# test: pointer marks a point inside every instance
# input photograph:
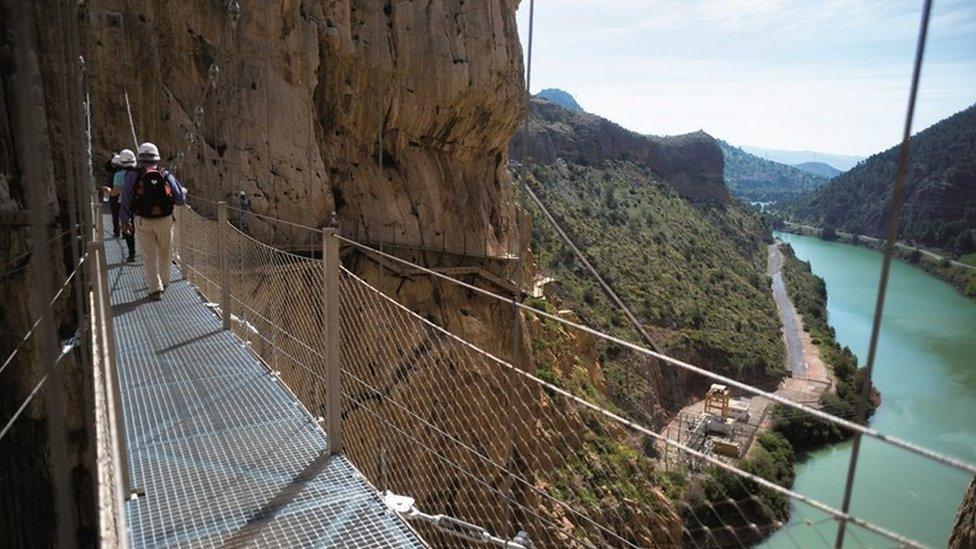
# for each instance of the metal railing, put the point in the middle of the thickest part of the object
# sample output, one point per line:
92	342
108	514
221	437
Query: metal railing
424	412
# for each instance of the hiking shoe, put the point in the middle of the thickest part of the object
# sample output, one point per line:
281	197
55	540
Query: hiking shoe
155	296
130	259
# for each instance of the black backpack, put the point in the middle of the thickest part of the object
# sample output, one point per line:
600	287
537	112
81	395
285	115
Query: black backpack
153	194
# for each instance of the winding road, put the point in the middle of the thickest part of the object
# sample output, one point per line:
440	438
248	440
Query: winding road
787	314
900	245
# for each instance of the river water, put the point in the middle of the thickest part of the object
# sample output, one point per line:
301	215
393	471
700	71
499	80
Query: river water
926	372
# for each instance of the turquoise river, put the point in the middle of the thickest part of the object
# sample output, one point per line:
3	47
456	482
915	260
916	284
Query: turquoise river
926	372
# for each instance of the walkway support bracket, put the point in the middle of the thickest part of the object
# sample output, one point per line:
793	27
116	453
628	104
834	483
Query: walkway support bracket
222	221
330	327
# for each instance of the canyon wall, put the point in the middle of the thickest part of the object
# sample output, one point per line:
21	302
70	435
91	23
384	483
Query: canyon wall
286	102
36	92
964	532
692	163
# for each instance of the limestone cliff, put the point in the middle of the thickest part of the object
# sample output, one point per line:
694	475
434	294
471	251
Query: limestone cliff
35	98
964	532
692	163
397	115
287	103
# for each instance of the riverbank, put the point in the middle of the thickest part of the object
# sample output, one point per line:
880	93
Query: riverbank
961	276
924	370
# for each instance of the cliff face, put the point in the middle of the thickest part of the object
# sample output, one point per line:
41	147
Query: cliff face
34	97
692	163
293	111
964	532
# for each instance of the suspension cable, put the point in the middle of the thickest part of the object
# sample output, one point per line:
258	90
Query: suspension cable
405	507
66	347
816	504
911	447
897	196
14	259
819	414
54	300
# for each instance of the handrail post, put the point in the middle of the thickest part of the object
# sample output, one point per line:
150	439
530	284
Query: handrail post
110	377
178	236
330	327
222	221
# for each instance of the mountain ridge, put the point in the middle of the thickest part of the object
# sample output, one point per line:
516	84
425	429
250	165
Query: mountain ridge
692	164
822	169
755	179
562	98
939	208
842	162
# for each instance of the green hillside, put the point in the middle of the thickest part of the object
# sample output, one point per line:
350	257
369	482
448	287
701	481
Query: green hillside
694	275
756	179
940	191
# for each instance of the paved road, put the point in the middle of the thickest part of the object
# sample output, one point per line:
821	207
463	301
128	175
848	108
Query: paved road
787	315
900	245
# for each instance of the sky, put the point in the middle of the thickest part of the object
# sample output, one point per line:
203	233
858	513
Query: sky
822	75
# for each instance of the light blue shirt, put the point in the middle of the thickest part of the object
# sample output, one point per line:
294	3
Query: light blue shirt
118	180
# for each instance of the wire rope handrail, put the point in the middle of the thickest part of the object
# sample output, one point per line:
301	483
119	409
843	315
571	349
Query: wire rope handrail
908	446
636	427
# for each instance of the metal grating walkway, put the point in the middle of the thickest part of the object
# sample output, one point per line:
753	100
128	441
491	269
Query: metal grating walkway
225	454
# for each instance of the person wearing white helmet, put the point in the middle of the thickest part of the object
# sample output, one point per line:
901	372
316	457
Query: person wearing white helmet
125	162
149	195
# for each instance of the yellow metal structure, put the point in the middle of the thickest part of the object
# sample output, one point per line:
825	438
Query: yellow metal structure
717	400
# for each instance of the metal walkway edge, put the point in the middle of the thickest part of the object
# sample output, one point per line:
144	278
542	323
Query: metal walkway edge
224	453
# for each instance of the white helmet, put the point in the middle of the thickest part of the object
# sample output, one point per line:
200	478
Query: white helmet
126	158
148	152
115	160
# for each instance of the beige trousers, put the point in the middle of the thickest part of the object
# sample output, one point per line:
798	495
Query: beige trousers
154	236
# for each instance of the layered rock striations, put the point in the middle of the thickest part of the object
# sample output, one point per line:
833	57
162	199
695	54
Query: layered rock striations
301	92
691	163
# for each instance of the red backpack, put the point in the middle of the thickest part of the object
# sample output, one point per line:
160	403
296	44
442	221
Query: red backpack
153	194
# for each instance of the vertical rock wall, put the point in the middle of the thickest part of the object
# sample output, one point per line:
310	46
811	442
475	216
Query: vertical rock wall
292	113
26	497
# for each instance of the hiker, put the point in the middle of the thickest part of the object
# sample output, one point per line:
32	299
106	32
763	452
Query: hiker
124	162
111	167
148	197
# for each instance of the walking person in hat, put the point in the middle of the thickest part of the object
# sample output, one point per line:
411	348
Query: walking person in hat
148	198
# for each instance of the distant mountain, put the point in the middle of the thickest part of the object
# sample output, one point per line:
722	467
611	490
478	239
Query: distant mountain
819	168
842	162
756	179
691	163
560	97
940	192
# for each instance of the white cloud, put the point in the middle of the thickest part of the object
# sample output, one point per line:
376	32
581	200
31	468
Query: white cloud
830	75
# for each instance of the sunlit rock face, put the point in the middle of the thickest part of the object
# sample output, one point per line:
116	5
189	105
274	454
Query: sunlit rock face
691	163
964	532
286	101
397	116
